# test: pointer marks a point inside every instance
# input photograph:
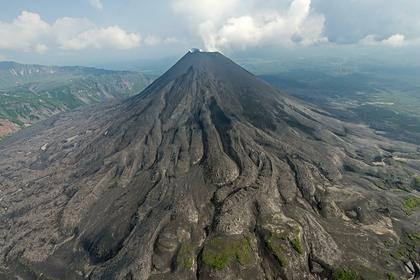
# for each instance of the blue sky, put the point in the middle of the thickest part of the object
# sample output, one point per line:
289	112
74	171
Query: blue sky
100	31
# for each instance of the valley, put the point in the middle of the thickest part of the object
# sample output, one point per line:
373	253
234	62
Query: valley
30	93
385	97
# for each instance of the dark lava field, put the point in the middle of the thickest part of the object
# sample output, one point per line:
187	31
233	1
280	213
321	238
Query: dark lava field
209	173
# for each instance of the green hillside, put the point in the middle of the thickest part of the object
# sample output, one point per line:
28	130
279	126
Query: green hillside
30	93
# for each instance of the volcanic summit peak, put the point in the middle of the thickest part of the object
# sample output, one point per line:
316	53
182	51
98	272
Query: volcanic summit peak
211	66
201	60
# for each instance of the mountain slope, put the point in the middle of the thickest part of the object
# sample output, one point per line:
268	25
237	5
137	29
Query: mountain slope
209	173
29	93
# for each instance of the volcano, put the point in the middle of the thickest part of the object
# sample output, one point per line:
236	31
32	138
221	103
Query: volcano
209	173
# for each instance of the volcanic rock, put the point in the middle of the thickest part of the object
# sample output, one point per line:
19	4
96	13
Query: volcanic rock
209	173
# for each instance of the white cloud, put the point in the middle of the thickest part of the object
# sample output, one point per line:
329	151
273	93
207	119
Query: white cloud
395	41
24	33
97	4
205	9
28	32
225	25
152	40
171	40
350	20
78	34
112	37
3	57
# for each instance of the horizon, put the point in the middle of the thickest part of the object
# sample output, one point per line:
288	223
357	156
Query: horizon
89	33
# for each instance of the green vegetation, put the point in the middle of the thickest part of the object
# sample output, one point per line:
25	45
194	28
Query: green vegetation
185	257
413	243
353	94
417	182
279	244
400	254
43	91
278	248
297	245
411	204
398	190
391	276
414	237
345	274
408	247
220	251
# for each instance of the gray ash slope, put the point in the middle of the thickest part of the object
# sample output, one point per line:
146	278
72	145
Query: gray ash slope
209	173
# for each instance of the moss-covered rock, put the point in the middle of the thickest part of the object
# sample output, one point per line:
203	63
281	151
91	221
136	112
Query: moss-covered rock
185	256
297	245
416	182
411	204
345	274
220	251
391	276
283	243
277	246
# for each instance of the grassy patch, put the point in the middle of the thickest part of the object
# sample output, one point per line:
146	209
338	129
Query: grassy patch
220	251
411	204
345	274
185	257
